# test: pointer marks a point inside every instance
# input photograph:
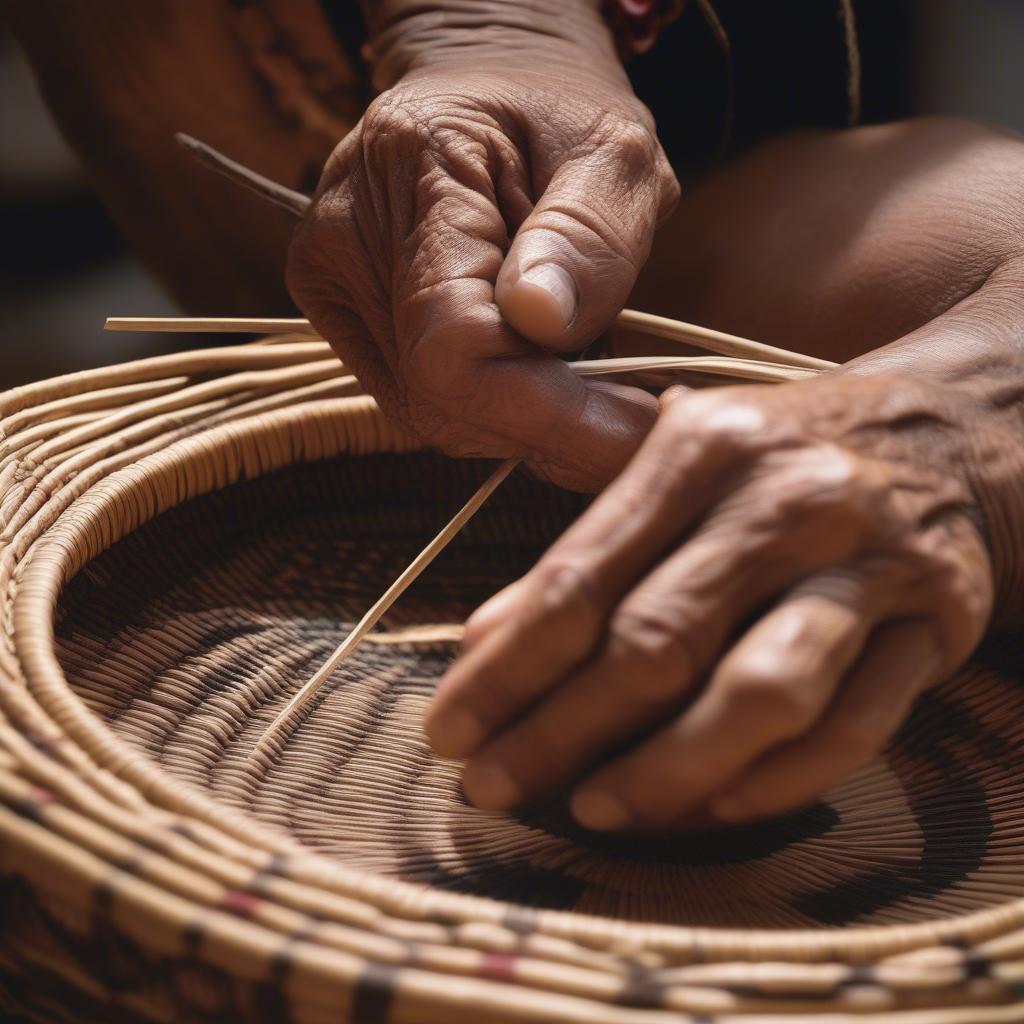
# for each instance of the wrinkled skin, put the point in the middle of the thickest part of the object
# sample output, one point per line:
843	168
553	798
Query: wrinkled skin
748	612
407	262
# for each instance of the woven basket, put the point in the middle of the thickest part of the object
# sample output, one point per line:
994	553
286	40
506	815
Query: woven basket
184	540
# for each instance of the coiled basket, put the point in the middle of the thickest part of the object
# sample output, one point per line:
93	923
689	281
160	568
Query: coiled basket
184	540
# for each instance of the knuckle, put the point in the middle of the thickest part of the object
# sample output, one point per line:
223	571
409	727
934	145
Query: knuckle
391	121
632	140
952	580
699	428
565	614
723	418
625	146
636	143
653	644
835	470
841	481
567	598
765	688
936	565
559	612
818	493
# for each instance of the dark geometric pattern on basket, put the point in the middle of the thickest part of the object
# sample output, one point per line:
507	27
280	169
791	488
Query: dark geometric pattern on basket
190	634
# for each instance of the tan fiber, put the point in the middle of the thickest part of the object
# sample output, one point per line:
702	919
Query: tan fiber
386	600
630	319
185	540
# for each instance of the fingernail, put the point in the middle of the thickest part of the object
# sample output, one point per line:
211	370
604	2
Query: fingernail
490	787
456	733
599	811
731	809
557	282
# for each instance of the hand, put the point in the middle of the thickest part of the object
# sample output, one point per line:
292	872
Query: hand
487	217
752	606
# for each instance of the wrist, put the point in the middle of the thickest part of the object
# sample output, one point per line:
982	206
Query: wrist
410	36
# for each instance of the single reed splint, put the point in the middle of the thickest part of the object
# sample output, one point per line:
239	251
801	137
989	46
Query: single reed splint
729	345
294	707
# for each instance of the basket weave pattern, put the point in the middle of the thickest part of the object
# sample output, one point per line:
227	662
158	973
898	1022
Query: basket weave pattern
183	541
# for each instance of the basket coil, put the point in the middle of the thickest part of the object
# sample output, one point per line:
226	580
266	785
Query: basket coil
183	540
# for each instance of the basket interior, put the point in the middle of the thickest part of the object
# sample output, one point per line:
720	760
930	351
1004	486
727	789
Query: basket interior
188	635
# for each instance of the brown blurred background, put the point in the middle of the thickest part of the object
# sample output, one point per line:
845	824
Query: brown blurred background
64	266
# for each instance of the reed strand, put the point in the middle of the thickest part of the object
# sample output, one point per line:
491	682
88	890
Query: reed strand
383	603
729	345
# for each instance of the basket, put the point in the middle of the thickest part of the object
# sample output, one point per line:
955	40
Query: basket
185	539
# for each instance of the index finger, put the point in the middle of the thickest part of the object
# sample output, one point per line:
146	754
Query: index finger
557	613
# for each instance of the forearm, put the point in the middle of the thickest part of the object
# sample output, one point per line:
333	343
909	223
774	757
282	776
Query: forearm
410	35
835	243
120	78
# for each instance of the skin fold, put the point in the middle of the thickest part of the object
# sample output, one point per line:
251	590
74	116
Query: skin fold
748	611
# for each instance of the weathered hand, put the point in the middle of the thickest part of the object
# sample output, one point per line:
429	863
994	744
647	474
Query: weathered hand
752	606
487	217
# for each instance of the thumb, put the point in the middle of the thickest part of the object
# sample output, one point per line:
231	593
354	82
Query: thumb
574	260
